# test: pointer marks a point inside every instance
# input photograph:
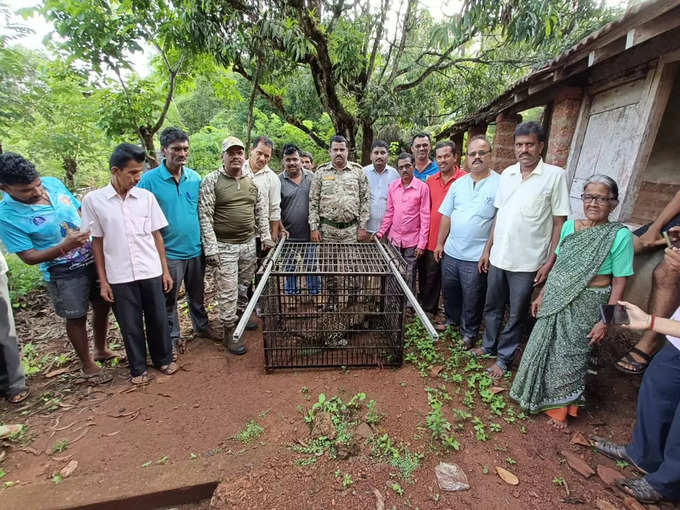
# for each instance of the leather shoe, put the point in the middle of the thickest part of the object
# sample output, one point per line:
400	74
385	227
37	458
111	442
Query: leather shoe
210	333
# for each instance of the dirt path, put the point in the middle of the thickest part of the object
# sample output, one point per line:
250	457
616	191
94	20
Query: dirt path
182	430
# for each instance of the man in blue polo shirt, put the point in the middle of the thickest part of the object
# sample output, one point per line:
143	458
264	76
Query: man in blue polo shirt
176	187
467	216
421	143
39	221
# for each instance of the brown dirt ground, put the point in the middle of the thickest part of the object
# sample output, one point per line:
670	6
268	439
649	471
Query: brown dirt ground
112	431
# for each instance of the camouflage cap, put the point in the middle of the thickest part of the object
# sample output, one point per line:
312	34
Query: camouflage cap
232	141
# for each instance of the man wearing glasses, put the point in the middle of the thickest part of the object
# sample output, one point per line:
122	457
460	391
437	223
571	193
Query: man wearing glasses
467	215
533	203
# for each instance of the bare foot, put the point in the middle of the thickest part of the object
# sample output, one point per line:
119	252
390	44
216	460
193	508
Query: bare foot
108	355
495	372
559	425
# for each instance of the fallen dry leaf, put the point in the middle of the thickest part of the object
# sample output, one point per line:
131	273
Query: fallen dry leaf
436	370
379	500
608	475
580	439
632	503
507	476
55	373
603	504
68	469
8	430
578	464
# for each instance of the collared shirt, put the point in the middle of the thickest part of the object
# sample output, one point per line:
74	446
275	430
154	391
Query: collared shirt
42	226
231	210
438	190
675	341
378	183
3	264
269	184
469	204
179	203
408	214
525	216
339	195
295	205
126	227
431	169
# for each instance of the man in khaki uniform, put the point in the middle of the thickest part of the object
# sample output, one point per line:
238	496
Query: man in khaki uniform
231	210
339	198
339	207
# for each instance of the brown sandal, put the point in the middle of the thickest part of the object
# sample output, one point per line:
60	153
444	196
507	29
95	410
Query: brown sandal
139	380
18	396
169	369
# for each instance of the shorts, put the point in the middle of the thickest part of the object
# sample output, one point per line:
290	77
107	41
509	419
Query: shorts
71	295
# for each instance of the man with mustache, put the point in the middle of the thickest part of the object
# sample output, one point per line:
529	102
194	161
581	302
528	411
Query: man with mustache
39	221
532	204
429	269
421	143
408	215
231	210
467	215
380	175
339	200
176	188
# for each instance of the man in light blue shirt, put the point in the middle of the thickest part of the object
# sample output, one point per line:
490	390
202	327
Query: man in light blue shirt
380	175
176	188
467	218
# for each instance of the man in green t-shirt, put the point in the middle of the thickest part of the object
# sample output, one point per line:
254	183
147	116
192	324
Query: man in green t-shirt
231	210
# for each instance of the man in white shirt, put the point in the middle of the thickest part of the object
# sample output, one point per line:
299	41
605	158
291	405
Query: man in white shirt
532	202
380	175
129	252
267	181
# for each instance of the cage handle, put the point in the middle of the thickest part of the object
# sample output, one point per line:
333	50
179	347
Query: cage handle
409	294
269	264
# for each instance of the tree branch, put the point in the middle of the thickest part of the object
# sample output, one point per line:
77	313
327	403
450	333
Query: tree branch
410	8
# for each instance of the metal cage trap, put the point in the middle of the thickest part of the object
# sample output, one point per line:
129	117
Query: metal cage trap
331	305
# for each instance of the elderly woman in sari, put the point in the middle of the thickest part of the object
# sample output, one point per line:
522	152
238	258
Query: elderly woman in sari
594	257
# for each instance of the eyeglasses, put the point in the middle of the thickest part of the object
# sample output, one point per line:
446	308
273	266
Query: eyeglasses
478	153
596	198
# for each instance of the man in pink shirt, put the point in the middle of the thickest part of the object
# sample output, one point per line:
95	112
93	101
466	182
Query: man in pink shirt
126	223
408	215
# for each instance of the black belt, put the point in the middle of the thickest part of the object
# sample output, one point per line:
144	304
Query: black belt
336	224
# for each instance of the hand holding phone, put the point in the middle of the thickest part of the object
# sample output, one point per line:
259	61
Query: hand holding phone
672	238
614	315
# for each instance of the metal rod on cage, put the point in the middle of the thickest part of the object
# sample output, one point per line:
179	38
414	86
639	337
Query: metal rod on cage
409	294
241	326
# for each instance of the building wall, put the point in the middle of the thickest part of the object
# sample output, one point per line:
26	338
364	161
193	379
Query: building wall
661	179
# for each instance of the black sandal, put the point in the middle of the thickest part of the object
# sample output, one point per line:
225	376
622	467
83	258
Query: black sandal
613	451
17	396
640	489
639	367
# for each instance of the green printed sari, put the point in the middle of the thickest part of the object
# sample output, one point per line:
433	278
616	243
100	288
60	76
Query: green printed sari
553	368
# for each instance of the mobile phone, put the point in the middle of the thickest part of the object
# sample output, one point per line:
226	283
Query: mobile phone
614	315
672	240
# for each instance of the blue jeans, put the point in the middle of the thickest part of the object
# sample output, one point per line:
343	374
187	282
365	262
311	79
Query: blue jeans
513	288
308	255
656	437
463	288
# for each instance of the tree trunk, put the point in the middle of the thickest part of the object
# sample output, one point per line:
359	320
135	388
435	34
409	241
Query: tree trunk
70	167
146	135
366	141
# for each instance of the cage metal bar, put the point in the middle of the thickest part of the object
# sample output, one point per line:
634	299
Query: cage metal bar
409	295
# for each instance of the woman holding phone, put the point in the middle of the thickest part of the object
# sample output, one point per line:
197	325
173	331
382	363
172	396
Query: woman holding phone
594	258
655	447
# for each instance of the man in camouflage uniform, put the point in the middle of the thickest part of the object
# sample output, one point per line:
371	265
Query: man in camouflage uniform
231	210
339	204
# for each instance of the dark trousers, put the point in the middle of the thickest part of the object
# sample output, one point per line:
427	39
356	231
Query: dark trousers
12	380
656	437
409	256
191	272
513	288
463	288
429	282
136	305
